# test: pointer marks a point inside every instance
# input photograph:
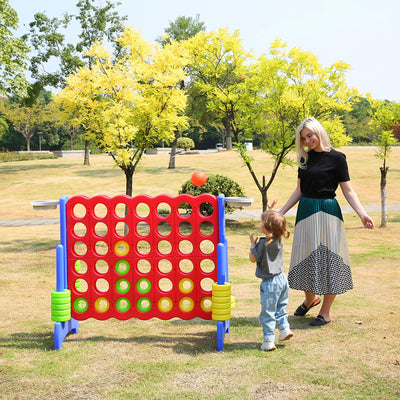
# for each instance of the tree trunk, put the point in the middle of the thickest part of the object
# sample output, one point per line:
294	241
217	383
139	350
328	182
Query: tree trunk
28	145
173	151
264	200
384	171
70	142
228	134
264	195
129	181
86	159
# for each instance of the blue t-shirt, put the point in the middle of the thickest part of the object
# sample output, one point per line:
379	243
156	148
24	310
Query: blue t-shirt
269	258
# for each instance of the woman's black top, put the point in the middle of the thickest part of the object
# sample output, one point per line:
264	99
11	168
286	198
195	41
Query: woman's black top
324	171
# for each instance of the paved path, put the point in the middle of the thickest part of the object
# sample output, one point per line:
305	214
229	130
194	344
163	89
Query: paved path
255	214
238	214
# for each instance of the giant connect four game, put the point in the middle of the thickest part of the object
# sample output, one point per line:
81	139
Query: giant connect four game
141	257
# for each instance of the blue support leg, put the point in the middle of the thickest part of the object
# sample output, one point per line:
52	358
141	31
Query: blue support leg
62	329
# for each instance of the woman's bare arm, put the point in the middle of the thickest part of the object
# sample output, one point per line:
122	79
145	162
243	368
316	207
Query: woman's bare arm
293	199
352	198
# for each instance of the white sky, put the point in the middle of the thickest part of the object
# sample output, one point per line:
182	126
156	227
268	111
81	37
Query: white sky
362	33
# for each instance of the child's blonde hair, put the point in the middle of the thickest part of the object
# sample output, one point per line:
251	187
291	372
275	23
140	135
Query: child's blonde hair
275	223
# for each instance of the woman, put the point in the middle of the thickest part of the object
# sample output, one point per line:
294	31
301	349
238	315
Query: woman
320	262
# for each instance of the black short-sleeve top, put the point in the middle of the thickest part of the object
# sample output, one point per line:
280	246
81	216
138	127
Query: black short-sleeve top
323	173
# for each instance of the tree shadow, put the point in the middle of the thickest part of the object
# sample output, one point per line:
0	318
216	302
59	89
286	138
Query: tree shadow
189	343
28	246
103	173
12	169
28	341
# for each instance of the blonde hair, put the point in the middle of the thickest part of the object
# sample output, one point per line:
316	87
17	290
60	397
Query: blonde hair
314	126
275	223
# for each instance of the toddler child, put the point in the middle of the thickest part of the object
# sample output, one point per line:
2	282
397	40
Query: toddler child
274	288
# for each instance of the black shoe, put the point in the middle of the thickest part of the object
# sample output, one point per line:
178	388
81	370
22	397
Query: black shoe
303	310
319	321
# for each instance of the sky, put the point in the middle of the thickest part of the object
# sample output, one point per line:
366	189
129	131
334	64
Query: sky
362	33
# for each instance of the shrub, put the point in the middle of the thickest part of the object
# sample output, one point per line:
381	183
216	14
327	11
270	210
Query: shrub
216	184
185	143
9	156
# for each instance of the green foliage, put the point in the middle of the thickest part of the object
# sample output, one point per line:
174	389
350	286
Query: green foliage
385	116
268	98
128	105
182	28
28	120
215	184
8	156
357	120
185	143
3	126
292	85
47	37
218	66
13	53
385	141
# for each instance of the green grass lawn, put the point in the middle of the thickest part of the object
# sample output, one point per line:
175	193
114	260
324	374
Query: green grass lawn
357	356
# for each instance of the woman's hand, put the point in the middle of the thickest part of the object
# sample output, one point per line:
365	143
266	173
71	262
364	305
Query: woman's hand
367	222
352	198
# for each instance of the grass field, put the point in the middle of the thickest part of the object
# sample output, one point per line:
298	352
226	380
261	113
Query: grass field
357	356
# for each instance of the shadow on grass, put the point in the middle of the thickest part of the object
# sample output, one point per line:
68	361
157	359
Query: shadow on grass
184	342
28	341
28	246
12	169
180	343
162	170
103	173
241	227
392	218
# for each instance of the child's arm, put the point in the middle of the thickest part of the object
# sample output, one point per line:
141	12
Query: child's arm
253	242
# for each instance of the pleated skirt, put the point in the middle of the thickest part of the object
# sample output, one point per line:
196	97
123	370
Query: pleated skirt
320	258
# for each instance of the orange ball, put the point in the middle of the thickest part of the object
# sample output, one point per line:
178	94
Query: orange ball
199	178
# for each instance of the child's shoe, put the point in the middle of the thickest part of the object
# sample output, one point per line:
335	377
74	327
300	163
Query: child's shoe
285	334
268	346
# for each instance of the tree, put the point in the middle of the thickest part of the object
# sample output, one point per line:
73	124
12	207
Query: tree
13	53
128	105
185	143
180	30
270	97
48	39
218	63
71	123
26	120
356	121
285	88
3	126
385	117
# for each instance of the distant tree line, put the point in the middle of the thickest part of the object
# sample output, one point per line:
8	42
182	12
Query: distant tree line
122	95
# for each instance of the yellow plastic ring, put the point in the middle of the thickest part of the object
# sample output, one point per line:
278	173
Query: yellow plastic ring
221	306
221	290
161	305
182	287
216	286
102	304
203	305
220	317
183	306
117	250
222	299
